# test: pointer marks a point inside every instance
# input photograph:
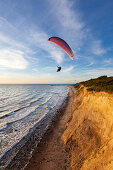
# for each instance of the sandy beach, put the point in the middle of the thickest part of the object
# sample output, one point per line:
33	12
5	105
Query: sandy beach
79	137
82	137
51	152
19	154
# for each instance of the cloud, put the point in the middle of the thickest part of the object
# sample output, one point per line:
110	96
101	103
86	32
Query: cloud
12	49
11	58
72	27
4	24
108	61
50	68
35	69
97	48
97	72
30	42
39	39
10	36
34	40
66	16
68	69
68	21
90	64
7	41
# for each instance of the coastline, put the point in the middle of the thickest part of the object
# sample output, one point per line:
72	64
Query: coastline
51	152
79	135
82	138
20	157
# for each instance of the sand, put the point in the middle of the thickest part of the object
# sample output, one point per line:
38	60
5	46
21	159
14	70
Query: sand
79	138
82	138
51	153
89	134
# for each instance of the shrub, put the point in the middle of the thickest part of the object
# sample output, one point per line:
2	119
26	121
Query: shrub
102	83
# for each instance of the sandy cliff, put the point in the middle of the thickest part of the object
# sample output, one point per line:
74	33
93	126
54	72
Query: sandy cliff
89	134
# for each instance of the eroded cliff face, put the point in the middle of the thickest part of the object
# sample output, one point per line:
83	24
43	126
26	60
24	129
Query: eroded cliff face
89	134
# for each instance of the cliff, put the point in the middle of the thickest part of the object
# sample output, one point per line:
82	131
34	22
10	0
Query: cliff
89	134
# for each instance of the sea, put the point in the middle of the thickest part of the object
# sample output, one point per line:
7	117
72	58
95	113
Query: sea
22	107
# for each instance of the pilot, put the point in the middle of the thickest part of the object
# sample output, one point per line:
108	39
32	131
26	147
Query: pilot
58	69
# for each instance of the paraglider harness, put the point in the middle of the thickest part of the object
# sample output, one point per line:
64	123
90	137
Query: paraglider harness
59	68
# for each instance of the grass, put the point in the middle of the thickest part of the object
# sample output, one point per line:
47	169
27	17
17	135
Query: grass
102	83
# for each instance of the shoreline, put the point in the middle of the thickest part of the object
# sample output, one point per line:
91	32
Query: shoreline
28	144
51	152
79	136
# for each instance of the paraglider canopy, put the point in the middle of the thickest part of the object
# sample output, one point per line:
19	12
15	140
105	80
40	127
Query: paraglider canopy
61	43
59	68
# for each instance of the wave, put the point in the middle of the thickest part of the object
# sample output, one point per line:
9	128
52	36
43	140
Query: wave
17	123
21	113
46	100
18	109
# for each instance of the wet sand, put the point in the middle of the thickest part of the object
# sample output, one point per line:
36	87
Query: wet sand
51	153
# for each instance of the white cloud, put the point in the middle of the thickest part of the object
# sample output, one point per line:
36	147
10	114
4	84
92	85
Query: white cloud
8	34
68	69
97	72
108	61
97	48
11	42
30	42
50	68
4	24
39	39
14	59
73	28
33	39
66	16
68	21
35	69
90	64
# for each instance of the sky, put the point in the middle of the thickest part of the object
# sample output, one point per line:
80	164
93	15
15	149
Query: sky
26	57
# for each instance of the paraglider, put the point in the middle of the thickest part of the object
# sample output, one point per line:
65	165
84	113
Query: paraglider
58	69
61	43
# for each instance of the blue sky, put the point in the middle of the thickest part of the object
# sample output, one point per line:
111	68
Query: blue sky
27	57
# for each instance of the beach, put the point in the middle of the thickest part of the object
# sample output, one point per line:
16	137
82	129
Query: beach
33	110
78	136
82	138
47	132
51	152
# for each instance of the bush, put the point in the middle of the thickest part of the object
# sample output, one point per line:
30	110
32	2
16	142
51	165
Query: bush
102	83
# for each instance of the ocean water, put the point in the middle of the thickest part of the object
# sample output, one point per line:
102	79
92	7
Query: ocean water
22	106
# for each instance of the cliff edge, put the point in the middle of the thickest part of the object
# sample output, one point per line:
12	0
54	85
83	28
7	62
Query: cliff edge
89	134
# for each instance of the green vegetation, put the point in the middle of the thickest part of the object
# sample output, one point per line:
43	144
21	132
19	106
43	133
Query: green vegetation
102	83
